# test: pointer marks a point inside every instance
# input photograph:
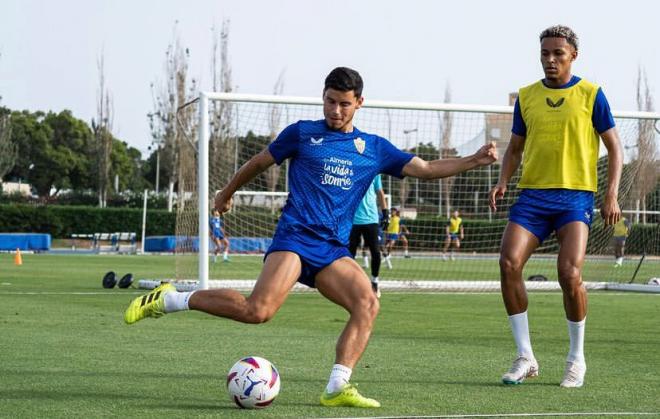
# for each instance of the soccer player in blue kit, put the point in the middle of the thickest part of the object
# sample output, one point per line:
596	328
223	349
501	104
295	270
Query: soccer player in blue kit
557	123
331	166
217	233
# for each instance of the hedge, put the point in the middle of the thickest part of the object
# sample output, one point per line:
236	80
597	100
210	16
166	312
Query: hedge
481	235
62	221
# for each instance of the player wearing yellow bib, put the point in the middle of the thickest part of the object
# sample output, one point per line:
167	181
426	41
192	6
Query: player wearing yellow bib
621	230
396	230
556	125
455	234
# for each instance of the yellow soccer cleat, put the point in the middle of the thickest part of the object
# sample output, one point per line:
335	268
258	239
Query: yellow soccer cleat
148	305
347	397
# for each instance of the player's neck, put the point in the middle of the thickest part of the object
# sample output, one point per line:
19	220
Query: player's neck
558	82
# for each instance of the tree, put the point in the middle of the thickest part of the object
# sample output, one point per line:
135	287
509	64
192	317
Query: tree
8	150
102	128
273	172
53	151
647	157
172	127
222	144
447	151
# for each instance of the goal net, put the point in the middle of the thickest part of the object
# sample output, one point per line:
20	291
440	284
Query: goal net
239	126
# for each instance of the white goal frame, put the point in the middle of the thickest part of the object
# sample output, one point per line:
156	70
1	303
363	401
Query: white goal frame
204	138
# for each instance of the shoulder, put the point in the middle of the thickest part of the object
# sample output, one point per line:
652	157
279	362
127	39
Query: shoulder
586	84
530	87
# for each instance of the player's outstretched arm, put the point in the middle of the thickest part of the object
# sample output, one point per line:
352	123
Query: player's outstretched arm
610	210
435	169
246	173
510	162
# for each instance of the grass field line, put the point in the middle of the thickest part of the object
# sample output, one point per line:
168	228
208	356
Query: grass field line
309	293
70	293
511	415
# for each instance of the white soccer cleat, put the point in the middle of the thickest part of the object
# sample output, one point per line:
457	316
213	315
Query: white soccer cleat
573	374
522	368
374	286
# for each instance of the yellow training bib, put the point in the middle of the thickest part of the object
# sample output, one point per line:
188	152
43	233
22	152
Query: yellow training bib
561	147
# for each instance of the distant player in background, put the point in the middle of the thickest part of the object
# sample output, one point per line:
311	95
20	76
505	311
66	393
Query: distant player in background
454	234
556	125
403	236
331	166
391	235
365	227
220	240
621	231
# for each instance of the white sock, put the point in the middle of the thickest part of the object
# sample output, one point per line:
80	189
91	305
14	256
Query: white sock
225	255
177	301
576	336
339	377
388	261
366	262
619	260
520	329
405	252
374	279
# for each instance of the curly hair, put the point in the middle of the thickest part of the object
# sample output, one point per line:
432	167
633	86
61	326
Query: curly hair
560	31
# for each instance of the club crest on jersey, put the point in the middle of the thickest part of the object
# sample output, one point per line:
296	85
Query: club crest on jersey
316	141
554	104
359	144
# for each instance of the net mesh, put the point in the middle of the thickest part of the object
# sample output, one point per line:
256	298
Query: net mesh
239	130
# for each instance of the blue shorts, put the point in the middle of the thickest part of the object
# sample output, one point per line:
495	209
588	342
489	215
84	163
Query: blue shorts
542	221
392	236
217	234
315	253
453	236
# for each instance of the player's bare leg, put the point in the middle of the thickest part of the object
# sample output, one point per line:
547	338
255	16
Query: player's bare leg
572	248
345	283
279	274
444	250
518	244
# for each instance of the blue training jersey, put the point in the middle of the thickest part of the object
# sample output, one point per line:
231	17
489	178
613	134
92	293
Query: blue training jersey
329	173
367	211
216	224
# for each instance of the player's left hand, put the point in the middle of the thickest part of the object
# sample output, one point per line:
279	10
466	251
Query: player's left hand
486	155
222	203
610	210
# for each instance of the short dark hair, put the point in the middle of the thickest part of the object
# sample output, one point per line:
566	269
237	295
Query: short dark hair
560	31
344	79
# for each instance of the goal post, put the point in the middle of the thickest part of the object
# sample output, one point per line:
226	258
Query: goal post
430	130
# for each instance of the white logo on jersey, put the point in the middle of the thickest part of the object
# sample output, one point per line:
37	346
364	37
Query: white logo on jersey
587	215
359	144
315	141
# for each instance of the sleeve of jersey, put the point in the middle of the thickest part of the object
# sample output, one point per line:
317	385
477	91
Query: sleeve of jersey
601	117
378	184
391	158
519	127
286	144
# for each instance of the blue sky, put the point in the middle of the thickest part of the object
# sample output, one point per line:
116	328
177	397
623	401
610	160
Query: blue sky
405	50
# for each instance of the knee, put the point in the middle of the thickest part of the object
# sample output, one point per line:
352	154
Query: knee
510	266
570	278
259	313
368	307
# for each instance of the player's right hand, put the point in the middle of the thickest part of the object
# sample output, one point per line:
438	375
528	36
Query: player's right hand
223	203
496	193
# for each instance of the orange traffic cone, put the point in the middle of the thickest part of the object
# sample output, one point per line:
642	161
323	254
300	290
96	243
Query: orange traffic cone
18	259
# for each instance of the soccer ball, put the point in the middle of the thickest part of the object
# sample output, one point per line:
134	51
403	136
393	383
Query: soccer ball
253	383
654	281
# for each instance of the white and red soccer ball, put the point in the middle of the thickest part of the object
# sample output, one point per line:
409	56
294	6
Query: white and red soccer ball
253	383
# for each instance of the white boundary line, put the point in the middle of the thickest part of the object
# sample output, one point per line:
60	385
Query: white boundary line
510	415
